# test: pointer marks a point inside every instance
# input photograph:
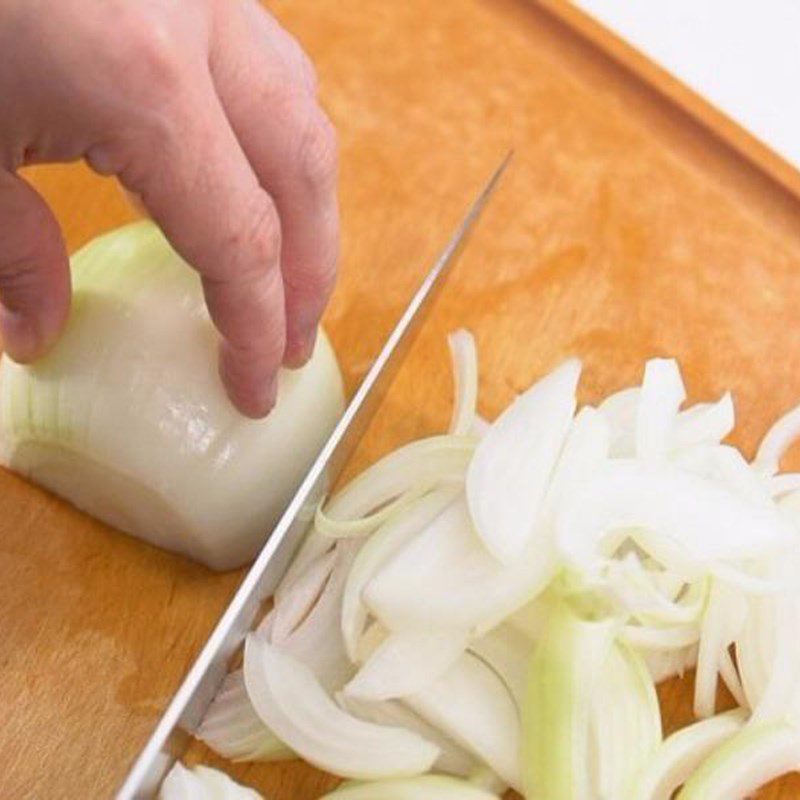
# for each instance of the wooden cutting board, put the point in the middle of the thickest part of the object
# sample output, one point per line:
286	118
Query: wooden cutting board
623	230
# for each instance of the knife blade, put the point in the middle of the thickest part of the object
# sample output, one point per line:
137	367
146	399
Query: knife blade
171	735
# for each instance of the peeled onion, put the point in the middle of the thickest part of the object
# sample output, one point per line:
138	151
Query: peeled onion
128	420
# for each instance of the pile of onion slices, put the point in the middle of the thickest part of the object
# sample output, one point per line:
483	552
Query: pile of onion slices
493	607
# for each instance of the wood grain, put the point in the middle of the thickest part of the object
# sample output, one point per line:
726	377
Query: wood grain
624	230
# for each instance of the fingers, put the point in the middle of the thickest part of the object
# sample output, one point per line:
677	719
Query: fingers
266	85
34	271
197	184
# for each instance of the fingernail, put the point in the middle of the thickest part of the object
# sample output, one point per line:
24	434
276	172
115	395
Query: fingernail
253	396
300	349
269	395
20	338
257	403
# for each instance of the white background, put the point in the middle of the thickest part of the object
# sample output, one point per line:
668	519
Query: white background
741	55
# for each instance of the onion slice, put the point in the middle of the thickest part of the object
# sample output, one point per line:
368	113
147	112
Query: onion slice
625	724
722	623
663	665
429	787
472	705
407	662
453	759
564	674
680	754
778	439
313	546
508	652
465	374
747	760
377	550
768	652
704	423
202	783
413	466
444	578
509	474
232	728
657	413
318	641
621	410
298	599
686	522
362	526
291	702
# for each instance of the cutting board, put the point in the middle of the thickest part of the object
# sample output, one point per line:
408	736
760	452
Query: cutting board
623	230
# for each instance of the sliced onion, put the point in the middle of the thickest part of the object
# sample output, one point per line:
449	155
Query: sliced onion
291	702
778	440
453	759
429	787
377	550
664	638
722	622
488	779
232	728
790	507
581	561
781	485
781	692
657	414
465	374
654	597
202	783
362	526
586	448
704	423
318	641
411	467
727	466
313	546
407	662
530	619
564	674
621	410
508	652
625	724
295	603
664	665
684	521
444	578
747	760
730	677
509	474
480	426
471	705
768	650
682	753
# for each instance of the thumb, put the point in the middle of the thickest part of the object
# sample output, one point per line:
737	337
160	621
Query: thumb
34	271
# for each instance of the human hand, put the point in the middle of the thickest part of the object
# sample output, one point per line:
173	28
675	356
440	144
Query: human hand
206	110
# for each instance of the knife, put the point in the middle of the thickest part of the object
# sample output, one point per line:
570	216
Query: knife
184	713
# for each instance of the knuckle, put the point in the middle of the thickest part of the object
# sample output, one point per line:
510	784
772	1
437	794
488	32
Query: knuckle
257	236
146	57
318	152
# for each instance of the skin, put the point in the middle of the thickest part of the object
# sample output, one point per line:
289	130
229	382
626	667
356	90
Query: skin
205	110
